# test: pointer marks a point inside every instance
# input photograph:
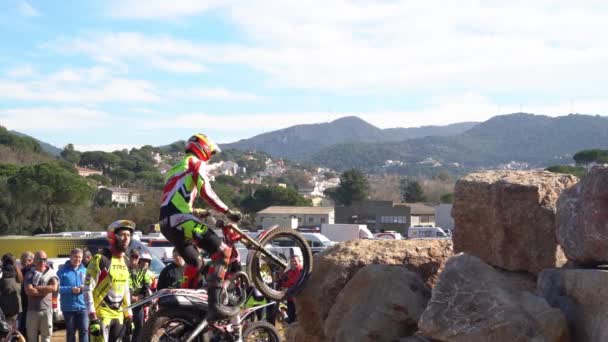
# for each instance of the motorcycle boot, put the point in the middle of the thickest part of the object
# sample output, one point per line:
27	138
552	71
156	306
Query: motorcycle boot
215	279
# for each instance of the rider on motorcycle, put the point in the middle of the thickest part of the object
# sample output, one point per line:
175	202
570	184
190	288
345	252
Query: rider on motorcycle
106	286
184	229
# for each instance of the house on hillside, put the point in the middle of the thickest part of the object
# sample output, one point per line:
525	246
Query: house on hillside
290	216
421	214
227	168
85	172
121	197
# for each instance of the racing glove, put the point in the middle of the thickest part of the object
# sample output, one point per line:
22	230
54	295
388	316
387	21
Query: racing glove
233	216
95	327
129	326
201	213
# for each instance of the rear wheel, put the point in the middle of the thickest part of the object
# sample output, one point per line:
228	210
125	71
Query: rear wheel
236	289
260	331
267	274
169	325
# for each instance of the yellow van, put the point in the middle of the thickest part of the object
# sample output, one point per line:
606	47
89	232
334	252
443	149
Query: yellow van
60	247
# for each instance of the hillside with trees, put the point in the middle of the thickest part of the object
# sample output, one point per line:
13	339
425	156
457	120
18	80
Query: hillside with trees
536	140
302	142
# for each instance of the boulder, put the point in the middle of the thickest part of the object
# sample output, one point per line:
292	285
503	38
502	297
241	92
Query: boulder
507	218
474	302
582	219
338	264
294	333
582	295
380	303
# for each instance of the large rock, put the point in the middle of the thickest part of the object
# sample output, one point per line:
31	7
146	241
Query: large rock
507	218
582	295
293	333
582	219
474	302
338	264
380	303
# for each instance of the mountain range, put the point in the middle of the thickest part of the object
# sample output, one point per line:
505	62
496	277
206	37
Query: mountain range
531	140
303	142
535	140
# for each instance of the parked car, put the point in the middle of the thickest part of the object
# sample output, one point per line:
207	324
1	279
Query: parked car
426	232
317	242
388	235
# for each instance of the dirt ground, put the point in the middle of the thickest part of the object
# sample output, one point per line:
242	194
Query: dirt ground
58	335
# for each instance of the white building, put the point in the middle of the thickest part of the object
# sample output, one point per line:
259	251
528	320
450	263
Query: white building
285	216
443	216
120	197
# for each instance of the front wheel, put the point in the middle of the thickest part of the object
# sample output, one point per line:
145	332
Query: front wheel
260	331
269	276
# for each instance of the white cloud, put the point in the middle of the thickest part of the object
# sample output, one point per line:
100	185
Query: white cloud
104	147
118	49
439	111
23	71
92	85
179	66
220	94
53	118
27	10
354	47
160	9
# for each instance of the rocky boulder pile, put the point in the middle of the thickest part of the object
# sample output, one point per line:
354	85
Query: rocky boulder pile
582	219
475	302
337	266
507	218
532	249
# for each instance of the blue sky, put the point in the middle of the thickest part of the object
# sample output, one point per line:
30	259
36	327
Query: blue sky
114	74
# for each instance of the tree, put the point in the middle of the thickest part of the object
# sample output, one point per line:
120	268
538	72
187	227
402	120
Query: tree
577	171
70	154
50	186
353	187
273	195
100	179
447	198
100	160
411	191
591	156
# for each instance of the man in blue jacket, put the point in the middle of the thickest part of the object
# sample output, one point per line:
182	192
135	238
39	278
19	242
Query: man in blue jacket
71	283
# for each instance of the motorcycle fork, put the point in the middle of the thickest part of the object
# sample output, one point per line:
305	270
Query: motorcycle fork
199	328
252	244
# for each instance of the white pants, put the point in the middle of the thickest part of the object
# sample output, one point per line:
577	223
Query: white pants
39	322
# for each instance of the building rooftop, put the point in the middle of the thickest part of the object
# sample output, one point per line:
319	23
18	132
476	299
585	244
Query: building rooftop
420	208
123	190
297	210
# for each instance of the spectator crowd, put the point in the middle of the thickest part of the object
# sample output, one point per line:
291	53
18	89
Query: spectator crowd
30	287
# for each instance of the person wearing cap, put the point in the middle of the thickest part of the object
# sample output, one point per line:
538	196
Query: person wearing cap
141	282
106	286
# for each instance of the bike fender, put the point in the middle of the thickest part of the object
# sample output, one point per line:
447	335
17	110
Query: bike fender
265	232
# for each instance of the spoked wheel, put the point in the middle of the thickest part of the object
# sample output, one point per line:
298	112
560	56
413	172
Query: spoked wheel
236	289
260	331
170	325
267	275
